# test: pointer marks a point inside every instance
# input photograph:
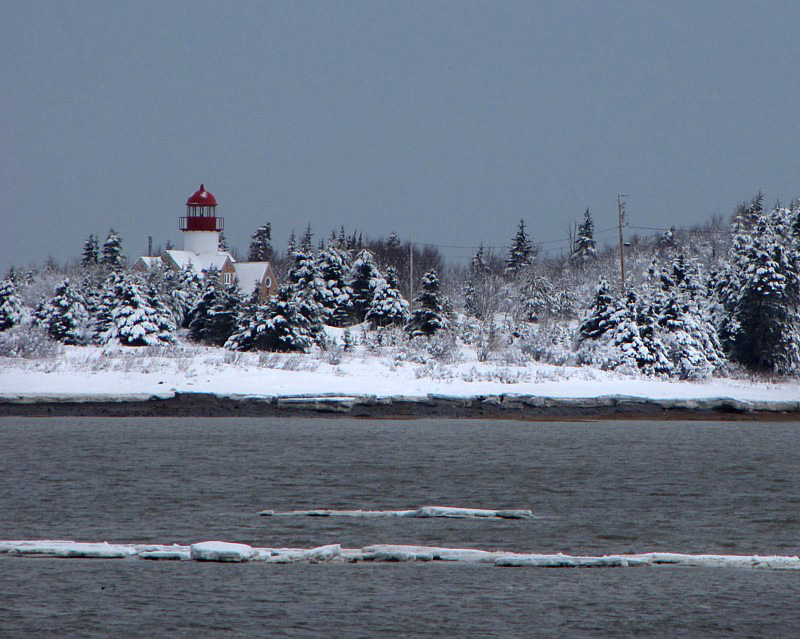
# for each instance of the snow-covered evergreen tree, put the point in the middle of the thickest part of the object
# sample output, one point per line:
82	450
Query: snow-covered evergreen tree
64	316
277	325
765	319
307	241
184	289
636	340
333	264
11	309
521	254
365	280
388	306
91	251
308	290
102	306
585	248
537	298
112	251
222	243
599	320
261	244
214	317
428	318
134	322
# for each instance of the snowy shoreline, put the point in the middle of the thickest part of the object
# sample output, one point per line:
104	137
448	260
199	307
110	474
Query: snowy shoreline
207	382
503	406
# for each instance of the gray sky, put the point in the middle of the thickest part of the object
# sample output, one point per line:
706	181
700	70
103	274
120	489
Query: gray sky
444	121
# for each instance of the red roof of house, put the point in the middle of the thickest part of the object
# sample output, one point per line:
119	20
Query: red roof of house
201	197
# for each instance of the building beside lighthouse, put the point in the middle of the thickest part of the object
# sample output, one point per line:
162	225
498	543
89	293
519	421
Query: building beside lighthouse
200	228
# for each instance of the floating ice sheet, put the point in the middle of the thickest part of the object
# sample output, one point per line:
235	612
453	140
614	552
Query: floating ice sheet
221	551
424	512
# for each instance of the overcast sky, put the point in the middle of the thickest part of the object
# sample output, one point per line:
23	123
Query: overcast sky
446	122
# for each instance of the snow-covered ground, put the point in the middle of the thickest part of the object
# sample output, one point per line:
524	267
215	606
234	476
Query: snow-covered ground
222	551
109	373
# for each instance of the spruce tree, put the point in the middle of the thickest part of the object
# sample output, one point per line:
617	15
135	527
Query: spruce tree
90	252
11	309
64	316
428	318
365	280
261	244
112	251
333	265
103	306
766	315
277	325
521	254
134	322
599	321
388	306
585	249
213	318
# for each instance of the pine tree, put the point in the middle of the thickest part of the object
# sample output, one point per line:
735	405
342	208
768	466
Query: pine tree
11	309
365	280
261	244
214	316
184	289
599	321
90	252
64	316
134	321
333	265
765	326
112	251
291	245
388	306
307	241
222	243
278	325
585	249
101	311
521	254
222	317
428	318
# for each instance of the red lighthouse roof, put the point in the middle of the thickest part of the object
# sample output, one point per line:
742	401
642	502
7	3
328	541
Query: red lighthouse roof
201	197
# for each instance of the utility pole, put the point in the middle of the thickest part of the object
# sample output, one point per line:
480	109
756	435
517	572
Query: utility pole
410	273
621	210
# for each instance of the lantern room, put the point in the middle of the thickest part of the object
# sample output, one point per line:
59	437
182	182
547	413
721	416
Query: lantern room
201	226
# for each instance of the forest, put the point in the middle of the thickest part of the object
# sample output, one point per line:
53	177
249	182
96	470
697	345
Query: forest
721	298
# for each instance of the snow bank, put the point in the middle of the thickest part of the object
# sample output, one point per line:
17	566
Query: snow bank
423	512
231	552
306	382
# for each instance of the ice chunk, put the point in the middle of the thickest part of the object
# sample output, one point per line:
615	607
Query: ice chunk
221	551
424	512
70	549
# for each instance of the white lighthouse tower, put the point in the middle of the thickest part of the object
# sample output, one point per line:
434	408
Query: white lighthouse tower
201	226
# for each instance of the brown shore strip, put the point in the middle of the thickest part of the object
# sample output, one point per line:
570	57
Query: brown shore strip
514	407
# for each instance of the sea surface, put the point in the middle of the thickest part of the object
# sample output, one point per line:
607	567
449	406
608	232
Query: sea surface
595	488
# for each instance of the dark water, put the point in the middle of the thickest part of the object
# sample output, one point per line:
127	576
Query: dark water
731	488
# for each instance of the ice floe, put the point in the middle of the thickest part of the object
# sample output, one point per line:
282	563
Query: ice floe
220	551
423	512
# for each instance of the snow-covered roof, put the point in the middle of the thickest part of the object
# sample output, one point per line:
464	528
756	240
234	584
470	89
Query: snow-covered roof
201	262
250	274
150	261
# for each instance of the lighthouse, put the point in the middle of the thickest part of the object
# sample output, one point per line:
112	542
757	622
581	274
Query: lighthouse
201	226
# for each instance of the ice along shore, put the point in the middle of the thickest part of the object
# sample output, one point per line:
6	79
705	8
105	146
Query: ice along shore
500	406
